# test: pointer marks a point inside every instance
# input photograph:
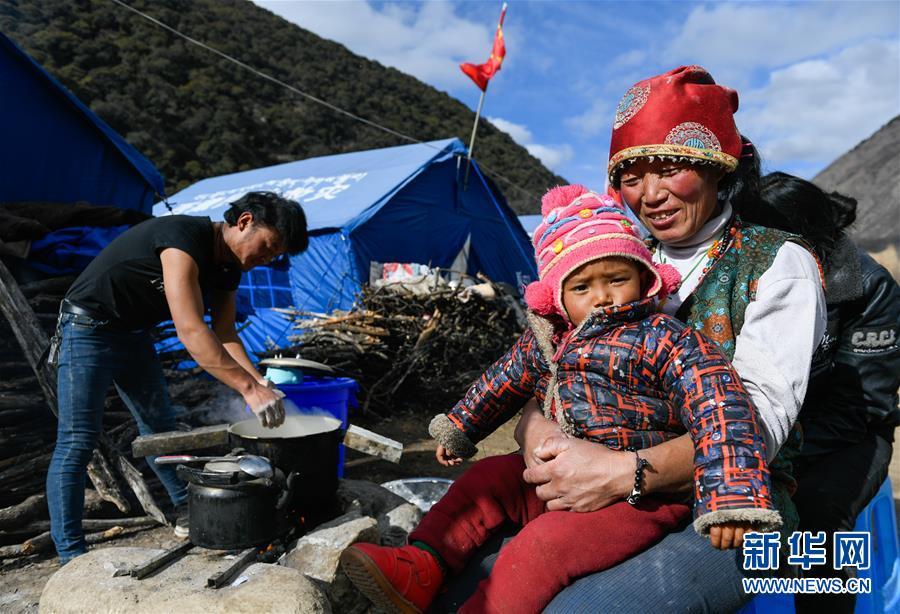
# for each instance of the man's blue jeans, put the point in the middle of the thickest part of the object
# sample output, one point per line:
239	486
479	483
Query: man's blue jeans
92	357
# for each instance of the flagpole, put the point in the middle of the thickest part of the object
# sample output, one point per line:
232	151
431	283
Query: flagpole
472	140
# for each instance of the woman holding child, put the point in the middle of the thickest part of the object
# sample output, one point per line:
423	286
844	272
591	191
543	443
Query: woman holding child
755	297
678	161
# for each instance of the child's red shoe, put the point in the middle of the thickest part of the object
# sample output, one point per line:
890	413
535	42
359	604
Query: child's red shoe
402	579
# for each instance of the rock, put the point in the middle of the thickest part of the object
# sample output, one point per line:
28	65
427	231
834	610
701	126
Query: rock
395	515
317	555
396	524
370	498
87	584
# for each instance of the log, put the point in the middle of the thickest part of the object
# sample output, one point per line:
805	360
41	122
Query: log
366	441
139	487
15	515
105	482
44	542
98	524
12	460
180	441
29	469
357	438
28	333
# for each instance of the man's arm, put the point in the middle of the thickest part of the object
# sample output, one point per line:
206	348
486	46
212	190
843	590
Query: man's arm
224	313
182	287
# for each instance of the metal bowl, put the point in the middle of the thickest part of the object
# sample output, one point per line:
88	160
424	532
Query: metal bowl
421	492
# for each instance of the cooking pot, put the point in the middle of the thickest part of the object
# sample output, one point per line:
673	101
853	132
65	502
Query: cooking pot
229	509
304	445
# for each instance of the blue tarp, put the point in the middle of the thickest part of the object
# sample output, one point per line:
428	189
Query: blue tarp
398	204
56	150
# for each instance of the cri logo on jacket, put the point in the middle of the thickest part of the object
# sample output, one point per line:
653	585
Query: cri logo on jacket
157	284
873	339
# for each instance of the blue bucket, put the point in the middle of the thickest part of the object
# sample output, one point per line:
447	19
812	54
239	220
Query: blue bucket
330	395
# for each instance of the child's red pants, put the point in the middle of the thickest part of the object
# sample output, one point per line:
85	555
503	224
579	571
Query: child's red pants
552	549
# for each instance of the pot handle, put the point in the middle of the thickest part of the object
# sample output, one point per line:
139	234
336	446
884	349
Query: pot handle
288	492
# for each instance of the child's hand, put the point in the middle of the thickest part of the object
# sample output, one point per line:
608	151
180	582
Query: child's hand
729	535
445	457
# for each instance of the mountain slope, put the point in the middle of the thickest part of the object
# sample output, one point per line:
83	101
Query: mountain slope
870	173
197	115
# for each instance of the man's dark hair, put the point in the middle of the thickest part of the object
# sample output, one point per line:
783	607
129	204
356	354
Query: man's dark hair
284	216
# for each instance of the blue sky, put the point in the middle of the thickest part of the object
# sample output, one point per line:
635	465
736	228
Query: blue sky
814	78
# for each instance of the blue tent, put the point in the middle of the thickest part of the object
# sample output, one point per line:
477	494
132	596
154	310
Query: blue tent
399	204
56	150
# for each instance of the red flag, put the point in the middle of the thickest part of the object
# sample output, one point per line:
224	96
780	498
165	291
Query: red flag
482	73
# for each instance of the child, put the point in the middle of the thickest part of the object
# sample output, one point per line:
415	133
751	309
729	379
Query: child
609	369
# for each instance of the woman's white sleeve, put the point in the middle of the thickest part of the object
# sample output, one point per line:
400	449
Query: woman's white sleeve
782	328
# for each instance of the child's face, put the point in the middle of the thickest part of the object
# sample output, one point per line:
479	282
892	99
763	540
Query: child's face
601	283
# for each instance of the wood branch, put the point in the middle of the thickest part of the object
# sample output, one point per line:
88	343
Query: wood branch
139	487
16	515
28	333
180	441
105	482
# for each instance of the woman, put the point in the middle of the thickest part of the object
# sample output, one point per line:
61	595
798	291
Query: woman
678	161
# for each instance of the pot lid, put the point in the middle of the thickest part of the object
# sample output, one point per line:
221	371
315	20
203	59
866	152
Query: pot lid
221	466
296	363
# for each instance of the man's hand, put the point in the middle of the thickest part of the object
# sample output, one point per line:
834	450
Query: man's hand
445	457
267	404
579	475
728	535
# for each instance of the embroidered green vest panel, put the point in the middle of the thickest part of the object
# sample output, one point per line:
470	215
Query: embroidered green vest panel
716	309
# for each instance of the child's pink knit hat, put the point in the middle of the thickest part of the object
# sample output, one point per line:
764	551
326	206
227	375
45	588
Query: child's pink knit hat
580	226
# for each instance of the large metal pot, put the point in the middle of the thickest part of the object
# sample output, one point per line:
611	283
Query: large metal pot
305	445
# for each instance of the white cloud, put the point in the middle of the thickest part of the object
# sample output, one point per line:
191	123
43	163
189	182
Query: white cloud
553	156
596	120
748	35
426	40
519	133
815	110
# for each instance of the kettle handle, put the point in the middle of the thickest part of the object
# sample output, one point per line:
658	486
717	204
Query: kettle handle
204	478
288	492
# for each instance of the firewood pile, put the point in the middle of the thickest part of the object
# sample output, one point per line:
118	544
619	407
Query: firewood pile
123	495
410	350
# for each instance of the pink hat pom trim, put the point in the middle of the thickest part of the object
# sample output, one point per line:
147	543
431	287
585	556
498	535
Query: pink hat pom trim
539	297
561	196
670	278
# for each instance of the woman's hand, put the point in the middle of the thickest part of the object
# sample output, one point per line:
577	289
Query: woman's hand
578	475
445	457
728	535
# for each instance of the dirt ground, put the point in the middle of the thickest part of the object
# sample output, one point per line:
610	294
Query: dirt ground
22	580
